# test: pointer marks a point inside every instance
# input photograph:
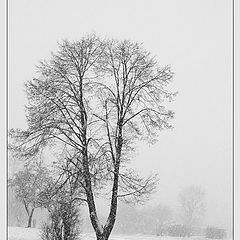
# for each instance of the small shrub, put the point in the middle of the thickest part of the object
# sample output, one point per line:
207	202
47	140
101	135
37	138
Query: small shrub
177	230
215	233
161	230
64	223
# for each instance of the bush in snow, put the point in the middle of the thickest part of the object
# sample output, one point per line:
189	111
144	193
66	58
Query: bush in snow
178	230
64	222
215	233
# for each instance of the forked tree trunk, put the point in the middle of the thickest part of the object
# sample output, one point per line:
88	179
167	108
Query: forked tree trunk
101	237
30	219
102	233
30	214
114	202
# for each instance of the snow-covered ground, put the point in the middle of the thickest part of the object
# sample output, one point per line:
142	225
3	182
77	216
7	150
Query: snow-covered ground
19	233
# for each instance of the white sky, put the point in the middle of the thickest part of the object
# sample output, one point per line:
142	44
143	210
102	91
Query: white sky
194	37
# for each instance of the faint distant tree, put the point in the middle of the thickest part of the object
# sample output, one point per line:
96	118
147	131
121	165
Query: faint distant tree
162	216
152	219
192	205
148	220
96	98
128	219
27	185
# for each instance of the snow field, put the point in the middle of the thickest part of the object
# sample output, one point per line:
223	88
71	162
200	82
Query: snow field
19	233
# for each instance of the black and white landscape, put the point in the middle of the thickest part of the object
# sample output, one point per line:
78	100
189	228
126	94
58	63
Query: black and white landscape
120	120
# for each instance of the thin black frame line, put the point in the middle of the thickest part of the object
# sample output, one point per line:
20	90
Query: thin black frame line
233	120
7	76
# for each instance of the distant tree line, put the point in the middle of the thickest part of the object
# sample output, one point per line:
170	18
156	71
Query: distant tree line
65	220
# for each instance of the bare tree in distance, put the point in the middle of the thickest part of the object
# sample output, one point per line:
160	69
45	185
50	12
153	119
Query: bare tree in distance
192	205
97	98
28	184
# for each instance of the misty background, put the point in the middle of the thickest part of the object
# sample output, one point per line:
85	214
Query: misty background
195	38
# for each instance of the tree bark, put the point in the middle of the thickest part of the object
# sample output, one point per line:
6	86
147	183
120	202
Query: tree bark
30	219
114	202
101	237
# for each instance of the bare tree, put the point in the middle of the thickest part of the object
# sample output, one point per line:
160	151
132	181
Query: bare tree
96	98
28	184
192	205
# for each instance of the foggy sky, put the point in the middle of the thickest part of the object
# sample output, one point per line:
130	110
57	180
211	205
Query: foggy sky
194	37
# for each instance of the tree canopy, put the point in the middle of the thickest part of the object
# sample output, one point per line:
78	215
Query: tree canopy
95	98
28	184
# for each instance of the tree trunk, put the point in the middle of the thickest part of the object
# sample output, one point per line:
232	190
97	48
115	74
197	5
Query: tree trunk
114	202
30	219
102	237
